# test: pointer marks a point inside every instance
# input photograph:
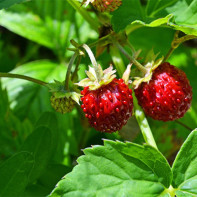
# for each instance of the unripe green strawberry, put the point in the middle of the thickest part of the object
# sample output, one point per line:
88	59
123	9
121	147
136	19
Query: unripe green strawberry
62	100
62	105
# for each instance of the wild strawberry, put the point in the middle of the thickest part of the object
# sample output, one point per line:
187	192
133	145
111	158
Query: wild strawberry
62	105
107	103
167	96
109	107
63	101
104	5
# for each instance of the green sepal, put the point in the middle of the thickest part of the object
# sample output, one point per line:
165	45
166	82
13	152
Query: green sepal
58	90
150	64
106	77
126	74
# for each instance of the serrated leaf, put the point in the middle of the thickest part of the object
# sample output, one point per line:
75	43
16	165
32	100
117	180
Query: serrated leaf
14	174
117	169
184	167
8	3
39	144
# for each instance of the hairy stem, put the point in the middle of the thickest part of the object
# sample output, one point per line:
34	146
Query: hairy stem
10	75
143	123
66	85
130	58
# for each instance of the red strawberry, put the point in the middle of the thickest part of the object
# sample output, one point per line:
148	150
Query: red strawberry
167	96
109	107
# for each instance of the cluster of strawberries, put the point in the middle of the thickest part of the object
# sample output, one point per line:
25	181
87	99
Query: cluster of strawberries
167	96
108	102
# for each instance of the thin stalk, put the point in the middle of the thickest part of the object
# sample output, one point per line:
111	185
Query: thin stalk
66	85
130	58
76	68
104	41
184	125
117	60
176	42
10	75
143	124
93	60
131	47
77	6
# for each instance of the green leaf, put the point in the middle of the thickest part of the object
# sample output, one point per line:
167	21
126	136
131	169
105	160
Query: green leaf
117	168
184	167
8	3
52	175
27	25
23	93
181	16
49	120
14	174
154	6
39	143
128	12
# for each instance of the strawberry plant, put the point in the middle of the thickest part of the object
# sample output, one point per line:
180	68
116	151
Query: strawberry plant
98	98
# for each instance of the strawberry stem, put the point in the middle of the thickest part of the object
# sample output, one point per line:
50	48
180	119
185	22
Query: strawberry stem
76	68
117	60
130	58
77	6
143	123
176	42
93	60
66	86
10	75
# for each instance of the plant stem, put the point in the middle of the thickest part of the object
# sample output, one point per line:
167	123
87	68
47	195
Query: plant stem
117	60
143	123
130	58
93	60
76	5
10	75
184	125
76	68
66	85
176	42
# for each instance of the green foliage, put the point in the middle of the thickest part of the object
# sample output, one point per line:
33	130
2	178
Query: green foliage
8	3
39	147
14	174
117	168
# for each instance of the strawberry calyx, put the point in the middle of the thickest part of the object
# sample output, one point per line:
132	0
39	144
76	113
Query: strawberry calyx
93	82
150	64
58	91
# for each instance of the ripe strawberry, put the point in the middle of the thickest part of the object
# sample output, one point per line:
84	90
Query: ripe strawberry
107	101
104	5
109	107
167	96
